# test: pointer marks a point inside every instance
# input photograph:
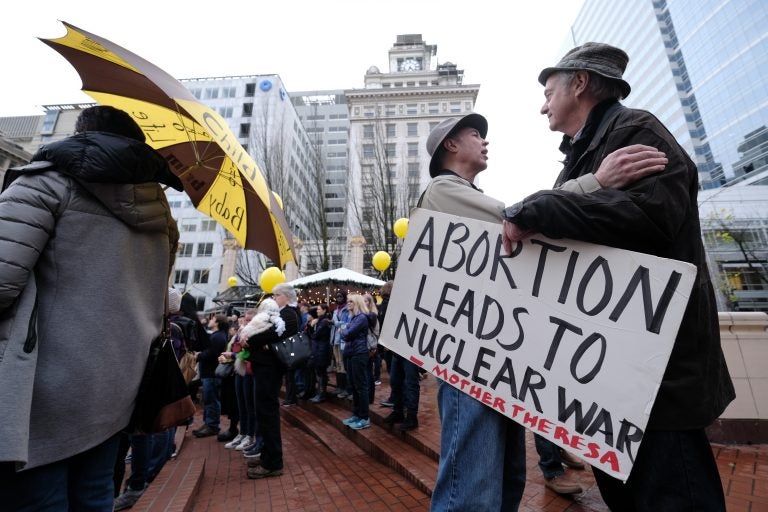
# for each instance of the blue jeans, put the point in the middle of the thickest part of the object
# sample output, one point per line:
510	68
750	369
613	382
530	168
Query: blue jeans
211	403
550	461
359	376
149	454
246	404
482	456
406	385
81	482
673	470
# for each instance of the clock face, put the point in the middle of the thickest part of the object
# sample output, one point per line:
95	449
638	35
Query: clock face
410	65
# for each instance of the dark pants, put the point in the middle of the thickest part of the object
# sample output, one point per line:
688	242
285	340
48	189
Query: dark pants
267	383
550	461
149	454
673	470
81	482
371	379
359	375
405	383
246	404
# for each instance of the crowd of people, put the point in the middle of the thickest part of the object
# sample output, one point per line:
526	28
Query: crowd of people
238	378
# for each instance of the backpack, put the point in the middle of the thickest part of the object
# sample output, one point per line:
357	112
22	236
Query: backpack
187	360
373	336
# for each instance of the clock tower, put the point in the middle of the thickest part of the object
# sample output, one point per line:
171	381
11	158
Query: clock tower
410	54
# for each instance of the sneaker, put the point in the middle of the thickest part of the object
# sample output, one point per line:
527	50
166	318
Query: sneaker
317	399
342	394
570	460
351	420
227	435
206	431
262	472
127	499
235	442
387	403
254	462
288	403
394	417
245	441
410	423
562	484
377	383
253	453
361	424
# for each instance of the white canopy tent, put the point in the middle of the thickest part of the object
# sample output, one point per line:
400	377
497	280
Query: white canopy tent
322	286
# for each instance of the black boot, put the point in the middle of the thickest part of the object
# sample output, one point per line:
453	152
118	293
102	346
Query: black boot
394	417
410	423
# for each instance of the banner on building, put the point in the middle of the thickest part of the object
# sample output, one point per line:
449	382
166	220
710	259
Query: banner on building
567	338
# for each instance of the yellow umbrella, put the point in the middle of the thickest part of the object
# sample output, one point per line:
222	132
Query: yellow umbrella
219	176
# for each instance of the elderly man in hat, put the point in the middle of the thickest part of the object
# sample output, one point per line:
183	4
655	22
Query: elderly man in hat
482	452
674	468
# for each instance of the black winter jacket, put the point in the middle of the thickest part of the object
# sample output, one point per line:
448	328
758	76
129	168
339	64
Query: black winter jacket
657	215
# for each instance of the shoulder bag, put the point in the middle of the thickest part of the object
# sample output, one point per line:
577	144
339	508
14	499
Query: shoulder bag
163	400
293	351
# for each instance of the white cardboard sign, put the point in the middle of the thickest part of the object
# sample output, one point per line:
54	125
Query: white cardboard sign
567	338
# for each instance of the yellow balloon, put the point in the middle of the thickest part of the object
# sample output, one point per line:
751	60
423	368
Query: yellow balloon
400	227
270	277
278	199
232	281
381	261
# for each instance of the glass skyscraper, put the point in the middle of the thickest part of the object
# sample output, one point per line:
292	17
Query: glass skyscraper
701	67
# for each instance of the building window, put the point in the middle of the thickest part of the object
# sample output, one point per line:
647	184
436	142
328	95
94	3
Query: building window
413	129
250	89
455	106
181	277
247	109
411	109
211	93
367	131
205	249
413	149
226	112
434	108
391	149
188	226
208	225
245	129
413	170
185	250
368	151
391	130
200	276
228	92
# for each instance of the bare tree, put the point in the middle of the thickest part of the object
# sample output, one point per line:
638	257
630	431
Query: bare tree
388	191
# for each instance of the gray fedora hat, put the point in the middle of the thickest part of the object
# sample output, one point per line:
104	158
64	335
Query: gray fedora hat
600	58
446	128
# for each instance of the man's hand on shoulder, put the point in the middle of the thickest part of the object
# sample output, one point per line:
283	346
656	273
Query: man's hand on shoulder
629	164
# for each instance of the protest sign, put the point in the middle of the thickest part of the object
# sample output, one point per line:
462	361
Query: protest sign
567	338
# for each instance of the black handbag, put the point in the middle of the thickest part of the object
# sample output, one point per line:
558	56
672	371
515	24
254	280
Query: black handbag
163	400
293	352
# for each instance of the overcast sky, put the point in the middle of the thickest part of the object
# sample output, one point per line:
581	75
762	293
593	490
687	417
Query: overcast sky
316	45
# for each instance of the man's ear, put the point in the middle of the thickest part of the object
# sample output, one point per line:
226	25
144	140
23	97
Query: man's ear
449	144
580	82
